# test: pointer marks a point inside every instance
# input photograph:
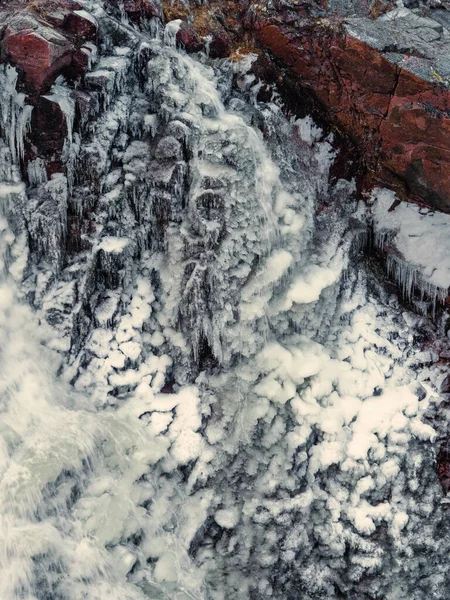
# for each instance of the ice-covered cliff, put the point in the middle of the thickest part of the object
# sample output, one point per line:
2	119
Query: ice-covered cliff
206	391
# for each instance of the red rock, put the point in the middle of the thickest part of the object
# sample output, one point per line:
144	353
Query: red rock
220	44
188	38
399	122
82	25
39	59
79	64
48	130
141	9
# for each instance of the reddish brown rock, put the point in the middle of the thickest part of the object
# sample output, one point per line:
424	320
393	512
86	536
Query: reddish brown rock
141	9
45	40
399	121
188	38
79	64
40	59
82	25
47	134
220	44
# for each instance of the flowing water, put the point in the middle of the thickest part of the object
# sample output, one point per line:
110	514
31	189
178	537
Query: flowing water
211	398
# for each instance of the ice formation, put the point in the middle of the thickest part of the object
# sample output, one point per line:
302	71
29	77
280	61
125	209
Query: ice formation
420	242
210	398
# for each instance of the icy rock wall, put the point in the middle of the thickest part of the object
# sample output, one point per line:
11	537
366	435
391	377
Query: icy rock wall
245	421
416	244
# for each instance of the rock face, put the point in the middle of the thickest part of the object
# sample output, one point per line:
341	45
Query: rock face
167	234
378	76
43	42
43	46
384	83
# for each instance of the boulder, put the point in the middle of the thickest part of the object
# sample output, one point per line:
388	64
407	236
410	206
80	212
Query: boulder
39	54
187	37
81	24
220	44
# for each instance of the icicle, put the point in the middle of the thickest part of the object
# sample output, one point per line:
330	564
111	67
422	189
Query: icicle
153	27
23	124
15	114
123	15
151	124
410	280
208	40
37	173
91	51
382	239
119	66
72	152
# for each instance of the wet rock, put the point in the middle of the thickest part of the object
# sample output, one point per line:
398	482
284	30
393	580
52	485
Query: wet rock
169	148
141	9
48	130
180	131
220	44
189	40
79	65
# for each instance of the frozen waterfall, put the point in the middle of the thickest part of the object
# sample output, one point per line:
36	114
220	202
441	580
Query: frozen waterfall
209	396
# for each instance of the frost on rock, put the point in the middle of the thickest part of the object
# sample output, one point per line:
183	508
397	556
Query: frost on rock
219	402
418	237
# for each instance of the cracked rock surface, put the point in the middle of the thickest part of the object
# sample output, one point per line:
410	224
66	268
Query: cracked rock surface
384	83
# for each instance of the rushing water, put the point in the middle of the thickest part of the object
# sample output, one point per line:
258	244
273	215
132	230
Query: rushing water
213	399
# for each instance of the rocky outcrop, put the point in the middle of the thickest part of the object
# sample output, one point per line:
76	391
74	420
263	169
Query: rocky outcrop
44	45
44	41
383	84
377	77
